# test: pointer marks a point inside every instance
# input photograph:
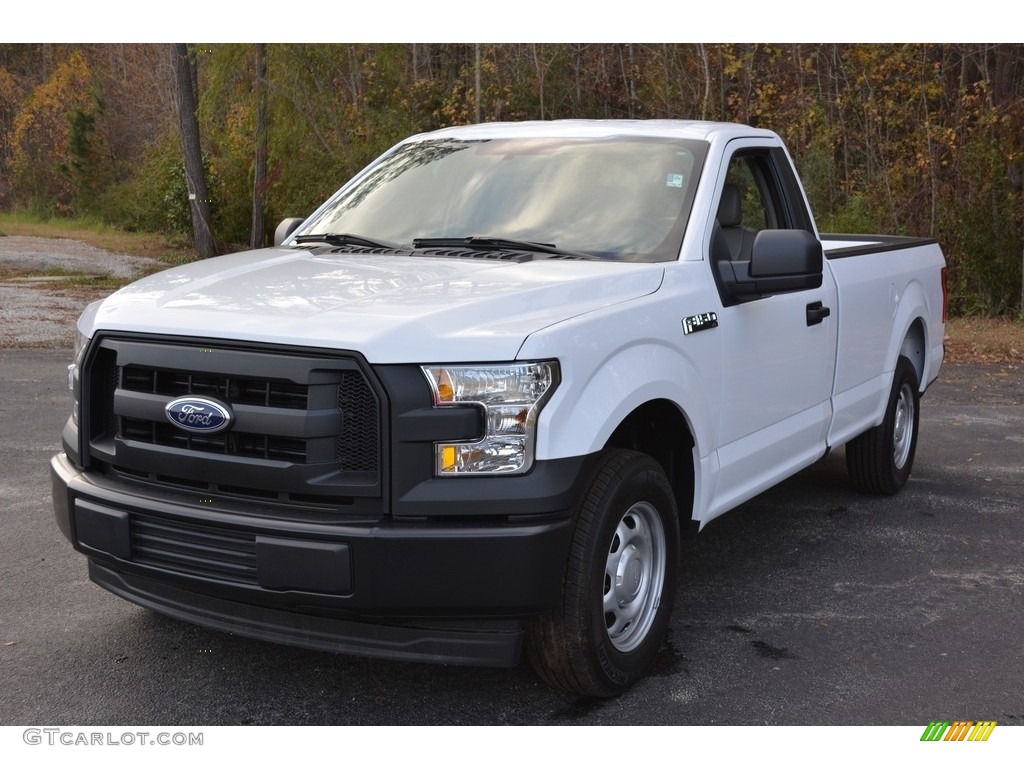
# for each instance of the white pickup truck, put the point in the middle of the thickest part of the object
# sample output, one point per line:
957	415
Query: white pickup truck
466	405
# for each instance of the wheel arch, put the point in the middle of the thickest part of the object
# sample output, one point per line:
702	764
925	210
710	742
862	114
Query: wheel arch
667	413
911	339
914	348
659	429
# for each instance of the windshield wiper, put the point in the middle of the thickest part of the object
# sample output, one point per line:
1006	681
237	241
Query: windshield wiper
344	238
496	244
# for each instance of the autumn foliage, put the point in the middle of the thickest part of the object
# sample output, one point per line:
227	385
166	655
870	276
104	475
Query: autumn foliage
916	139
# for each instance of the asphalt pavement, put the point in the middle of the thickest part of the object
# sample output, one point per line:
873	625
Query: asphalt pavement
809	605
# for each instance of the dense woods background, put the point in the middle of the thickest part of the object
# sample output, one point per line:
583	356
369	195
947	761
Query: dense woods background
906	139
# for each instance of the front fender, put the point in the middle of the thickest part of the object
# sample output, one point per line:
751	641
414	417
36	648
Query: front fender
617	359
599	391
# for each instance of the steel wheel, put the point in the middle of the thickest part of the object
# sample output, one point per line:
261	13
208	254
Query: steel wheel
903	426
880	460
620	580
634	575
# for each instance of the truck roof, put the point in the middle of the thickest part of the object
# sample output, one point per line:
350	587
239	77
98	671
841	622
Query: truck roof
685	129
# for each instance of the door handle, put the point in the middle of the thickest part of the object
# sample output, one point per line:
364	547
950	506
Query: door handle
816	313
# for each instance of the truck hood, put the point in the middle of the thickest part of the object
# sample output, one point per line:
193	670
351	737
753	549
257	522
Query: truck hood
390	308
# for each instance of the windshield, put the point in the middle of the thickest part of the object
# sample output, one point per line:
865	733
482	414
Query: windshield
616	198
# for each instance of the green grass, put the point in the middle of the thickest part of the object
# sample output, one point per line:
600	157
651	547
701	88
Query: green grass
67	278
88	280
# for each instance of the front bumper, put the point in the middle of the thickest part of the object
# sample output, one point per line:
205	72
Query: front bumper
449	591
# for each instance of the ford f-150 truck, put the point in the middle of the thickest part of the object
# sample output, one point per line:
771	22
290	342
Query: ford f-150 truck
465	407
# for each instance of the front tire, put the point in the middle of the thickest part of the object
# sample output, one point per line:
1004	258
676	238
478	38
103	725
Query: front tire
880	460
619	584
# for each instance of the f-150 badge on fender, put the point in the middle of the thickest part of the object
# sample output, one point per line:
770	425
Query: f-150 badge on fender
699	323
198	414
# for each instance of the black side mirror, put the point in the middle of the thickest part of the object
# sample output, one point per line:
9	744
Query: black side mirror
284	230
781	261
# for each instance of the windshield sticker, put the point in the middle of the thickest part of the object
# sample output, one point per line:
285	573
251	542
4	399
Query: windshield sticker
674	180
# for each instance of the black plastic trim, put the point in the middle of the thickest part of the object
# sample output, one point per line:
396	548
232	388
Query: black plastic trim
439	568
798	215
879	244
493	644
550	487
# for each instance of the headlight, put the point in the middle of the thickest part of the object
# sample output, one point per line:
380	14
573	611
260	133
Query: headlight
511	396
81	342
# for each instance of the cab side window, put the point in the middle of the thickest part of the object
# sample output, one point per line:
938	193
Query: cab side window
750	201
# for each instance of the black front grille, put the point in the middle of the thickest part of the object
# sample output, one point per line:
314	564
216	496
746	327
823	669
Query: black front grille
194	549
305	426
266	392
232	443
359	424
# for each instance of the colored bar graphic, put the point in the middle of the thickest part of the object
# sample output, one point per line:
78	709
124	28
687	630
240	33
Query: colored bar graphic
958	730
935	730
982	730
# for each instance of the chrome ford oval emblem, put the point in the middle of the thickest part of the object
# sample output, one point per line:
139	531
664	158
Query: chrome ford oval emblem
198	414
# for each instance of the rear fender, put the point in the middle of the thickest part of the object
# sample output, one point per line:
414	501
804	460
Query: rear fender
911	332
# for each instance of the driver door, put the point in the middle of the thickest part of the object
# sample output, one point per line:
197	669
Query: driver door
779	355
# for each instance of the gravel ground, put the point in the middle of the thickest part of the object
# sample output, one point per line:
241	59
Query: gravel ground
40	254
40	311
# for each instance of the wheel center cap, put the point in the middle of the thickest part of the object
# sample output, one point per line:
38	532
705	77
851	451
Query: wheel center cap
634	575
629	575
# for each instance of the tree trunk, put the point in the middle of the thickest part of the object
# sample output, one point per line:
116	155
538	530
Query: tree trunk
540	79
198	195
476	67
259	177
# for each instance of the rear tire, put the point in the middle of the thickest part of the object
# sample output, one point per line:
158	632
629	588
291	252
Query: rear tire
619	583
879	461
